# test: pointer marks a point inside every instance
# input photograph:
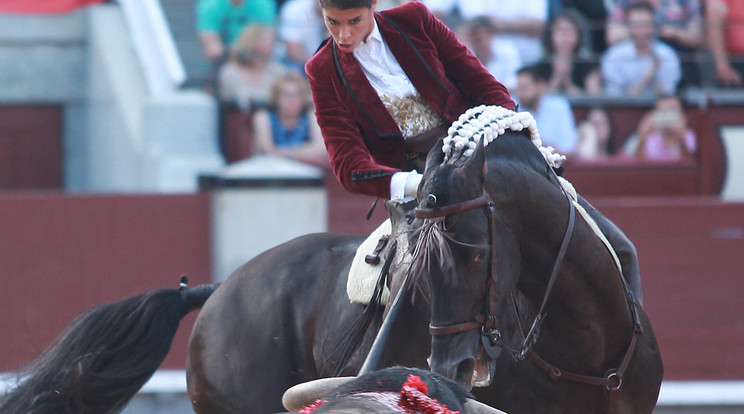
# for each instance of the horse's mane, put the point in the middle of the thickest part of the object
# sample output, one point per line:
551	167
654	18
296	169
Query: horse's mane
516	147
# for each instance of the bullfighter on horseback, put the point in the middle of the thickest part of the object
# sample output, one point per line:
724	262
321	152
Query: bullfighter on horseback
387	85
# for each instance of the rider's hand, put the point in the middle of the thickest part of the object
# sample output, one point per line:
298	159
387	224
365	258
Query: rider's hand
403	186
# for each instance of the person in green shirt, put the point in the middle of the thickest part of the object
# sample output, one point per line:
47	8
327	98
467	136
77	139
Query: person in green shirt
219	22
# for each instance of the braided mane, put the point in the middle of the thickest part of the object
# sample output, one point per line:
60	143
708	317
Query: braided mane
486	123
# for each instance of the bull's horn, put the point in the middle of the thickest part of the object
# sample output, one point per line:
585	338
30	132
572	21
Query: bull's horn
476	407
308	392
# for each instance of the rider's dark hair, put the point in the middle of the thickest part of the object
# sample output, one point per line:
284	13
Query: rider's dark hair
345	4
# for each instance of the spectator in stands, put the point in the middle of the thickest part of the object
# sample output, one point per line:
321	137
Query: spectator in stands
596	135
220	22
247	77
553	113
593	12
499	57
641	65
287	127
725	34
301	30
520	22
569	70
663	134
679	24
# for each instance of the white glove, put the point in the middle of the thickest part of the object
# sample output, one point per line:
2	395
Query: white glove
403	186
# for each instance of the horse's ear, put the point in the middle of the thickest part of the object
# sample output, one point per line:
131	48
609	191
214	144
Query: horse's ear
435	157
475	166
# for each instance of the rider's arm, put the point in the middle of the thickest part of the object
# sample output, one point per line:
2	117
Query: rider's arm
350	159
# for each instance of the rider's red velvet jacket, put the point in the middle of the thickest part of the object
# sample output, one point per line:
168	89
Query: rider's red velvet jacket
364	143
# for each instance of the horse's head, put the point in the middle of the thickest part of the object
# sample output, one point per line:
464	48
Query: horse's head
453	248
477	202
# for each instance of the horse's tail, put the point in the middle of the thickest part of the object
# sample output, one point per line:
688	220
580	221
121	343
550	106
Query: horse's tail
106	355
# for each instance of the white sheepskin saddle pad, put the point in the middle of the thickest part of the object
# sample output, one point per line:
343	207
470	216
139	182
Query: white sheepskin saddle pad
363	276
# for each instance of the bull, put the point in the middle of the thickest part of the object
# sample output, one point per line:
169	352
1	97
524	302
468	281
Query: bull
391	390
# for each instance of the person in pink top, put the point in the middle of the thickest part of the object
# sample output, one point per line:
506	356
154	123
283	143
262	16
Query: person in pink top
663	134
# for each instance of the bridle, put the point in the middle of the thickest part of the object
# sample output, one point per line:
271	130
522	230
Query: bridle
489	323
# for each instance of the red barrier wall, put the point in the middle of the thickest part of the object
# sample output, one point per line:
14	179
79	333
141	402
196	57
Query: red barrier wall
61	255
64	254
31	146
691	252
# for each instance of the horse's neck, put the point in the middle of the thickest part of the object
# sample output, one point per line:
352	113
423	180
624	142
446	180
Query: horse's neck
585	312
585	306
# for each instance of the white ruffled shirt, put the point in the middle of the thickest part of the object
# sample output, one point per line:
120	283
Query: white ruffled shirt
385	74
381	67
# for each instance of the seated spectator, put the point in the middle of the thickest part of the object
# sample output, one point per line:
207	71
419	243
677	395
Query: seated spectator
596	135
287	127
663	134
301	30
725	34
553	114
641	65
568	71
518	22
679	24
499	57
247	77
220	22
591	11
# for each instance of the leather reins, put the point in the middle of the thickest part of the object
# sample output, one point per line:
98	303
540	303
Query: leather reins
489	323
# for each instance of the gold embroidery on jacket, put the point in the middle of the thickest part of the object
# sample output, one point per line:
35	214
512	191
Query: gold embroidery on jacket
412	114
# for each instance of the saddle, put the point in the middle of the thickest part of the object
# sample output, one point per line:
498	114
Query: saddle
367	265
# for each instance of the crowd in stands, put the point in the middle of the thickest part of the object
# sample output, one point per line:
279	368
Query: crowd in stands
545	51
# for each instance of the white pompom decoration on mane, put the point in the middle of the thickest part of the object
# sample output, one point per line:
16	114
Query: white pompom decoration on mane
488	122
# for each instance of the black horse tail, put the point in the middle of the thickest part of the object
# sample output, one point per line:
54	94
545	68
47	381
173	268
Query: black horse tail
105	356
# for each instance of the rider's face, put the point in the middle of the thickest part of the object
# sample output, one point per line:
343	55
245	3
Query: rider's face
349	27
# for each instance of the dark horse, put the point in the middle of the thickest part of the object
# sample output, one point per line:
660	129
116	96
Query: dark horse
276	320
524	293
279	319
